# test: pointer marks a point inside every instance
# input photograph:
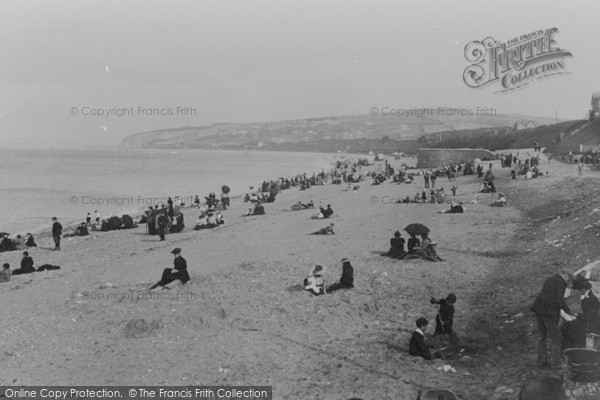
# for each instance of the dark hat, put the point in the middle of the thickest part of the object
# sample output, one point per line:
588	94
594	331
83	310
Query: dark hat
176	251
422	321
397	233
25	253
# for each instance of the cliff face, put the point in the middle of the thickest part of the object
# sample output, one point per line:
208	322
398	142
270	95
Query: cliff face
269	134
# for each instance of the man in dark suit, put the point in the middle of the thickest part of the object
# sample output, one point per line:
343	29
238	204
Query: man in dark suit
547	306
56	232
417	346
179	271
162	220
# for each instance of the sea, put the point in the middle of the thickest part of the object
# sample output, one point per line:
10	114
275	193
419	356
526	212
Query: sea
38	184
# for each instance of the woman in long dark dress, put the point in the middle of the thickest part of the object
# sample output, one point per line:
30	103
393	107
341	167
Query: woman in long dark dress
347	279
396	246
179	272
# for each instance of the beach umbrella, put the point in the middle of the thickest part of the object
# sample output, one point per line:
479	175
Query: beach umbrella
2	234
225	189
417	229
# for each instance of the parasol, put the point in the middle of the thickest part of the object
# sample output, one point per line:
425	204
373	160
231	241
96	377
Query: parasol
225	189
417	229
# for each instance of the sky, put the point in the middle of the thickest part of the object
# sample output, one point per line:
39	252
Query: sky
63	62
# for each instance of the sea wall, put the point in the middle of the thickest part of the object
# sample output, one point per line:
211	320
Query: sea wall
432	158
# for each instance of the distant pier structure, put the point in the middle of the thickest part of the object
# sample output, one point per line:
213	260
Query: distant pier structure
595	110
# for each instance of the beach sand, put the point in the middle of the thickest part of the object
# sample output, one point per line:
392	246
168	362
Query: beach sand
239	320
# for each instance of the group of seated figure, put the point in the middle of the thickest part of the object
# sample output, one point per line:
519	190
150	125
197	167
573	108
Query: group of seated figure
424	248
315	281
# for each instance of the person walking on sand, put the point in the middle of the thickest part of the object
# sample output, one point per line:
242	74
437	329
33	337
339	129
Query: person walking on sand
56	232
547	307
178	272
97	217
88	219
162	221
580	169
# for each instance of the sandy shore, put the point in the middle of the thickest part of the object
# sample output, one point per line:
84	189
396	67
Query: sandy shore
236	322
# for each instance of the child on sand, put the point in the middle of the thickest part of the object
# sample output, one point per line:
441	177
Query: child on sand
445	317
5	273
314	282
417	346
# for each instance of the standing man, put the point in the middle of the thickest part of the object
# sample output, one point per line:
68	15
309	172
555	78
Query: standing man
97	217
426	178
56	232
580	168
162	221
547	308
433	178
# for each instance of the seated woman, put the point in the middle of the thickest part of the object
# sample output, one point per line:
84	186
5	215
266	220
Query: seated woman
26	265
202	223
500	202
417	198
30	241
432	196
426	251
259	209
413	242
212	220
454	208
484	188
347	279
177	273
325	231
219	218
81	230
424	196
314	282
396	246
20	243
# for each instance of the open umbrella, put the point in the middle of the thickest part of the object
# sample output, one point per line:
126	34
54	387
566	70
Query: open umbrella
2	234
225	189
417	229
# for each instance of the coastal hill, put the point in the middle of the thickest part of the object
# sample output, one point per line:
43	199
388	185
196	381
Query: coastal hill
336	133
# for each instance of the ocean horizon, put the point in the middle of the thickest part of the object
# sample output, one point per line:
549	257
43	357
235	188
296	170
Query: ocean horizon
38	184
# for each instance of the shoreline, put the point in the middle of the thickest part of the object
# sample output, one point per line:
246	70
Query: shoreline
113	204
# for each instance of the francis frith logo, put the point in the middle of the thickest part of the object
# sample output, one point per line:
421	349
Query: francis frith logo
516	62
